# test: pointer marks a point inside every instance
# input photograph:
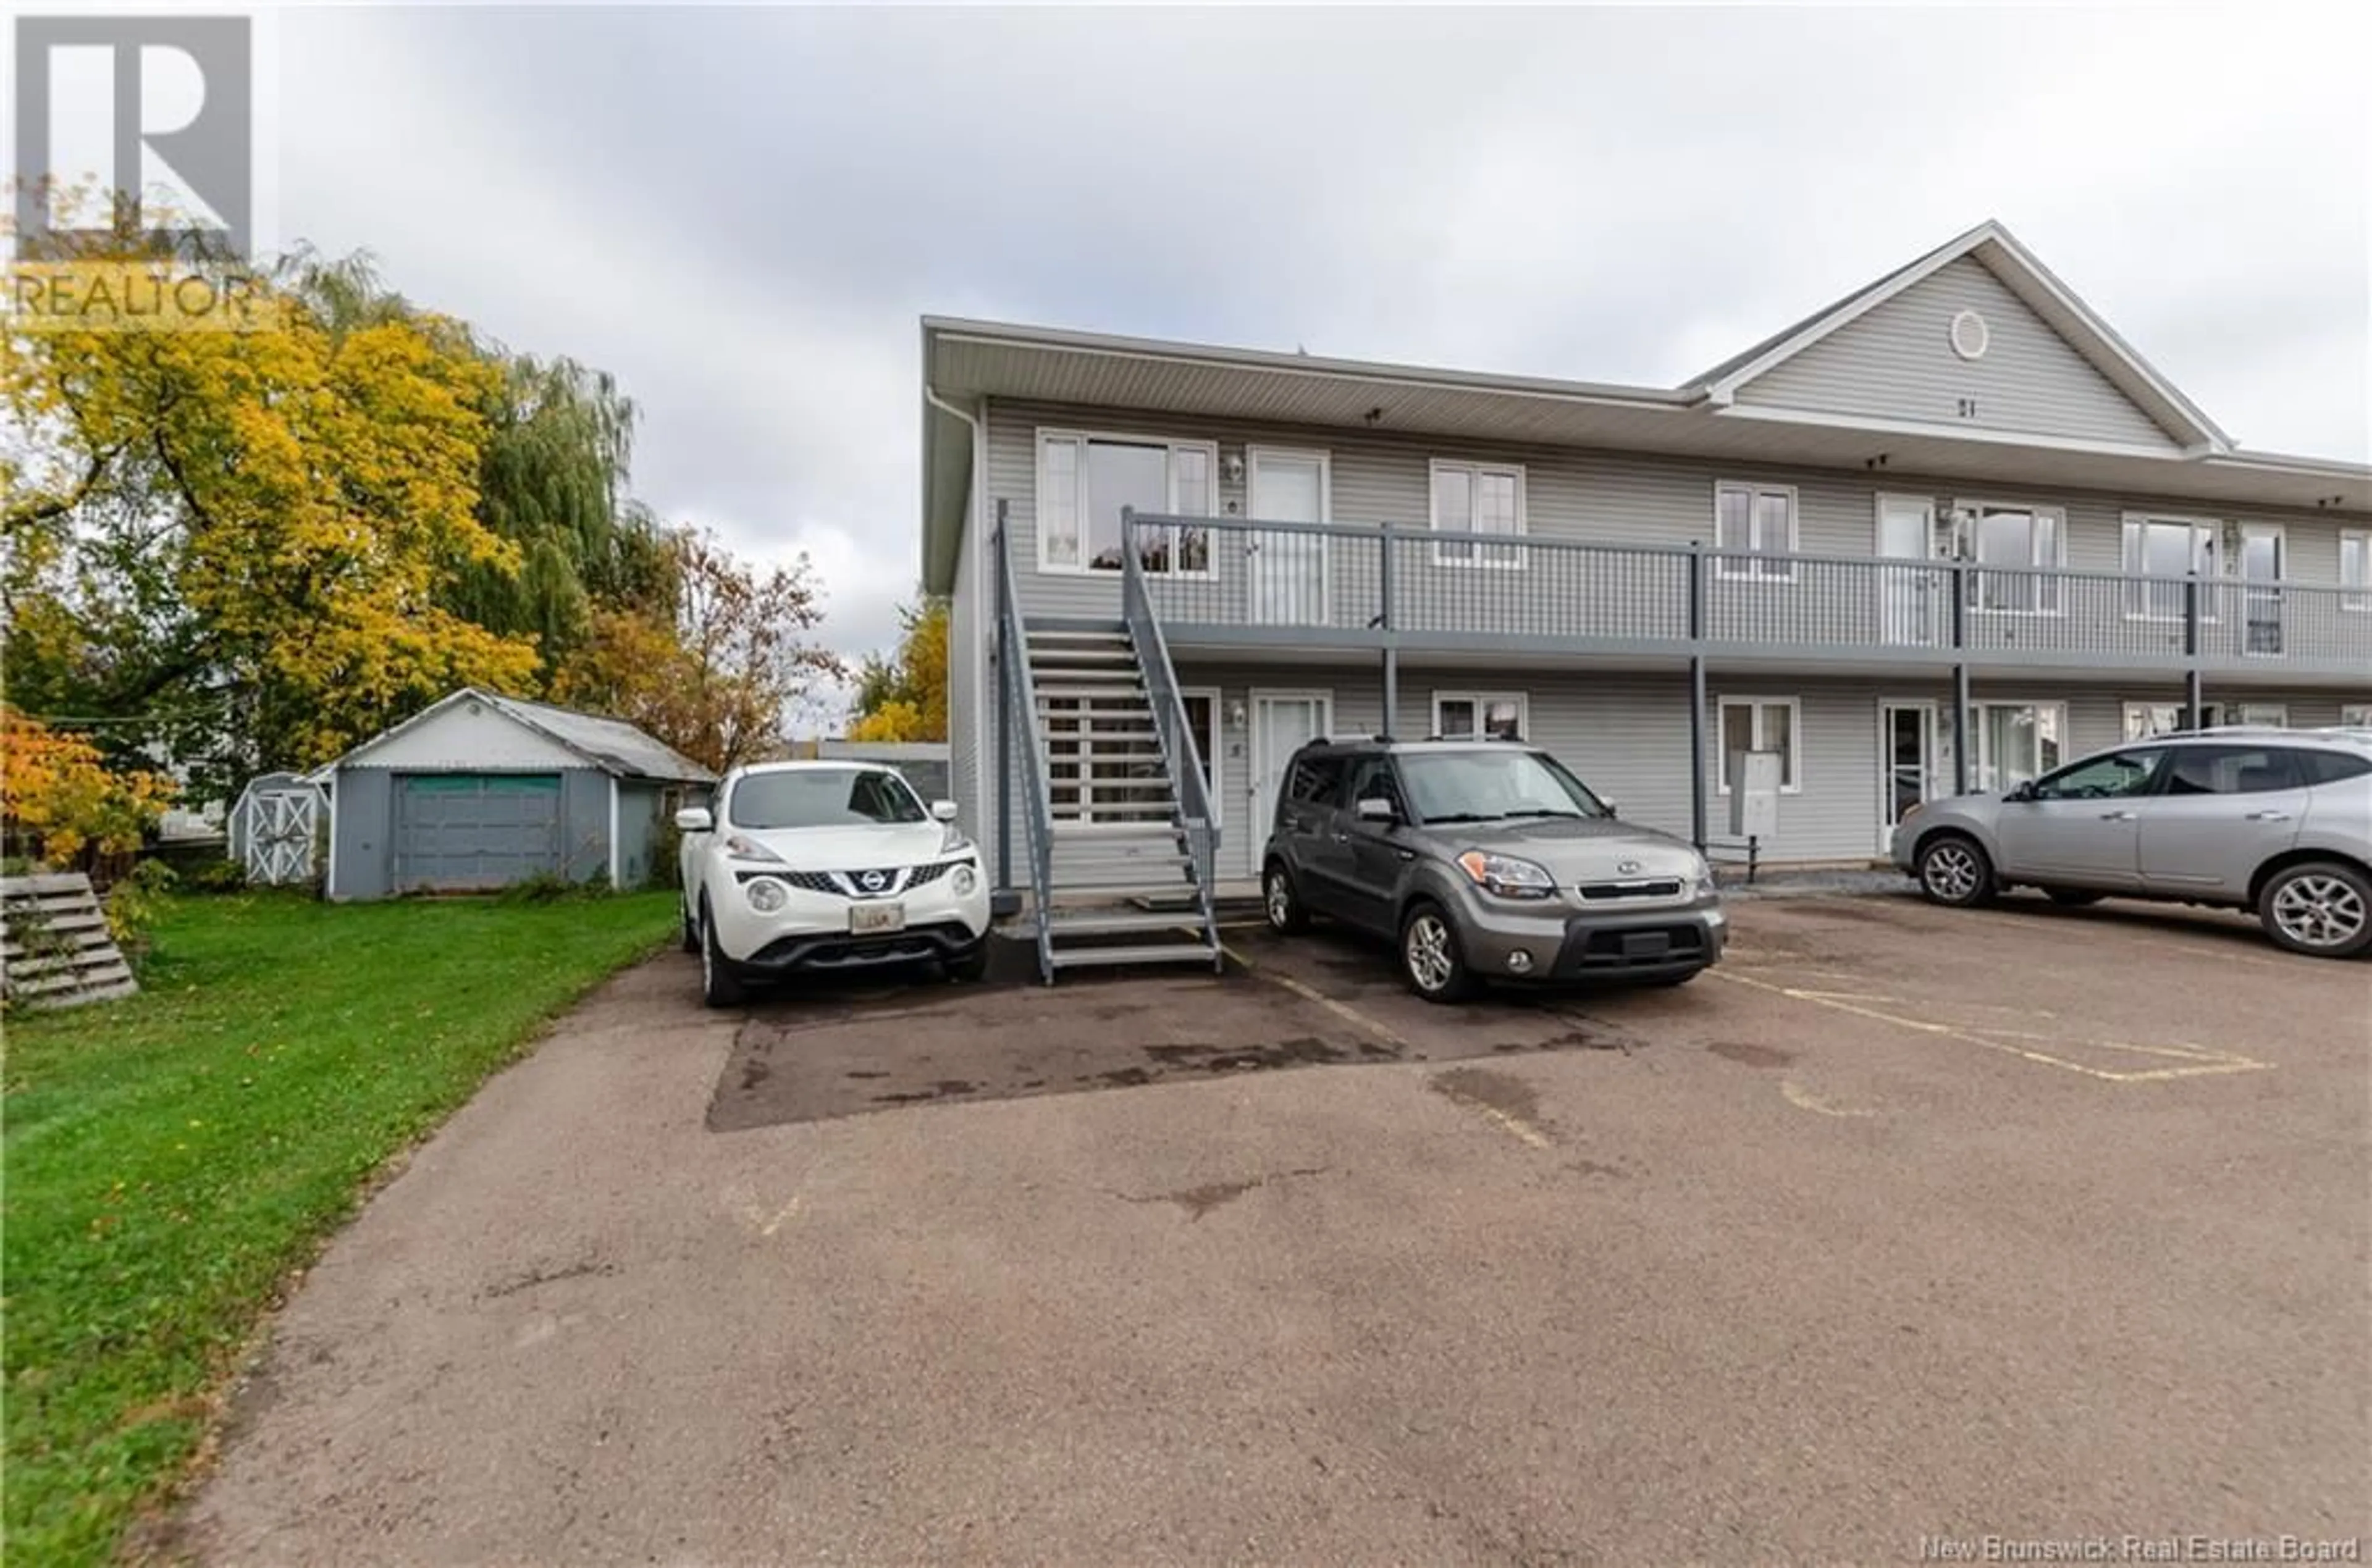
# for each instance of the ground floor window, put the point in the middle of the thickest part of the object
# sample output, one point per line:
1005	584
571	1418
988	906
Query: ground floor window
1762	724
1478	715
2016	742
2356	716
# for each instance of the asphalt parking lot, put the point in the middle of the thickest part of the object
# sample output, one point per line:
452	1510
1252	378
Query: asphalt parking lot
1903	1226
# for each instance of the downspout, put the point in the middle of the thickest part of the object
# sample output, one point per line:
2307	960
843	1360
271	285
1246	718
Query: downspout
988	712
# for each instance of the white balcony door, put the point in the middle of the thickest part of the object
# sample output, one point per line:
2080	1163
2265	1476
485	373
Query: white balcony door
2262	561
1910	597
1288	571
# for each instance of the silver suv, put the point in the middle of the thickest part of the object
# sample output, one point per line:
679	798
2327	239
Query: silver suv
2274	821
1483	860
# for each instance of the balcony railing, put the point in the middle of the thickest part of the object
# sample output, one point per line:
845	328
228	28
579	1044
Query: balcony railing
1234	580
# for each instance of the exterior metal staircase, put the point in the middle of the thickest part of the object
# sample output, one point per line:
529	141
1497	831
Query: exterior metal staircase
1115	813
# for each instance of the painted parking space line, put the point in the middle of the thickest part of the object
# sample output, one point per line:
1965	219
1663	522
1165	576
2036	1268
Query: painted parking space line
2178	1061
1342	1010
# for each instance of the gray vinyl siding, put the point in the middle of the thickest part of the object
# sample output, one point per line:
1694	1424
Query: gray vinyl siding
1575	493
1628	731
1896	362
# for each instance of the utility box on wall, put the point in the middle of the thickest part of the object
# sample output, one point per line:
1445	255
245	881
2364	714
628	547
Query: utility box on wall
1754	795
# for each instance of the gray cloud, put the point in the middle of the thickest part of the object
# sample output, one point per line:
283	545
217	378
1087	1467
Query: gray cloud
742	213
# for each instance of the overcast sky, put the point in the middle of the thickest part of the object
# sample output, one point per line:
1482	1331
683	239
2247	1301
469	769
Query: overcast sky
742	213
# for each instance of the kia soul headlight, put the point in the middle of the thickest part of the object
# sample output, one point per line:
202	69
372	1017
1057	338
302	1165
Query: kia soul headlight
1507	876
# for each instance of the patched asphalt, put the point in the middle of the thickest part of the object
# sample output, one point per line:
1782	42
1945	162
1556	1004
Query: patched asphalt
1904	1225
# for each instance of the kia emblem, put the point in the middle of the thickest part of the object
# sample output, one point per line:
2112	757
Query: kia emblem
875	880
1627	867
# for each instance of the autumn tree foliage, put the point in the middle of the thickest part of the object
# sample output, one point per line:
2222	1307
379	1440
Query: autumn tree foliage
247	533
62	806
715	663
249	550
905	697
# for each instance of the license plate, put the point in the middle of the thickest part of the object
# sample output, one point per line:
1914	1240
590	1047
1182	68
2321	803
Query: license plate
1646	944
884	916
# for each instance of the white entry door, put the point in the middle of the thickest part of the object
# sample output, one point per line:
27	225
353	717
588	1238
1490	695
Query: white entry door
1911	600
1282	722
1915	761
1288	570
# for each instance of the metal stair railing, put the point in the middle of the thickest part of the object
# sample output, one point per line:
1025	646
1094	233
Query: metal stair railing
1020	703
1181	754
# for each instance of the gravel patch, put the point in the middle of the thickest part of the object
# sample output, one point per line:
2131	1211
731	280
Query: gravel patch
1806	884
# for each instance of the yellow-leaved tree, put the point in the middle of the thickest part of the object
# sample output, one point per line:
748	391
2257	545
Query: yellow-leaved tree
905	697
250	533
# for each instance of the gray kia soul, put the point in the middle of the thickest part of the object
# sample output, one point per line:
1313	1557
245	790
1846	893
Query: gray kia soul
1485	860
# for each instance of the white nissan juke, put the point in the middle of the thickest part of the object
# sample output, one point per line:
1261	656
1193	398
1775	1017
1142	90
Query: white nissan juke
822	867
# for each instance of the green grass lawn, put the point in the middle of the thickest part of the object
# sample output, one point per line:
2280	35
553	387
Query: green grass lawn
171	1156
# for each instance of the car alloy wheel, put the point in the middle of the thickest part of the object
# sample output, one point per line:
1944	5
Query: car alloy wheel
1950	872
2318	909
1426	949
1281	903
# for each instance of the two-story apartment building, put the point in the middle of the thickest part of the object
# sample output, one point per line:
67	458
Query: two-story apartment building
1935	537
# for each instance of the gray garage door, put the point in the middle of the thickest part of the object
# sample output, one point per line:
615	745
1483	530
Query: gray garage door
462	831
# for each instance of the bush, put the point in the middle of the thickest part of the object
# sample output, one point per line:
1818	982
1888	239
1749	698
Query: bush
135	903
215	877
550	888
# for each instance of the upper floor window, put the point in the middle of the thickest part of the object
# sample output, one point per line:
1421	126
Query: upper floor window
2166	548
2355	570
1085	482
1759	521
1477	498
2023	547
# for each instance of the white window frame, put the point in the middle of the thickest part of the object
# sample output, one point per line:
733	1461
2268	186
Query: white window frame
1480	700
1756	571
1974	511
1475	469
1790	769
2356	716
2356	597
1048	435
2206	550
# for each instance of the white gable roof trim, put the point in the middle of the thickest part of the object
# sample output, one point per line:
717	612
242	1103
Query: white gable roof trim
2000	253
612	746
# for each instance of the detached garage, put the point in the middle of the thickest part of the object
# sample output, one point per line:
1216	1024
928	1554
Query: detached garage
480	791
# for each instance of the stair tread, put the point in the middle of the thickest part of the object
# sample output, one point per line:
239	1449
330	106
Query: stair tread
1098	921
1199	952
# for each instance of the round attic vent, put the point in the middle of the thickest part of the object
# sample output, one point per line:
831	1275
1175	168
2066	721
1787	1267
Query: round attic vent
1970	336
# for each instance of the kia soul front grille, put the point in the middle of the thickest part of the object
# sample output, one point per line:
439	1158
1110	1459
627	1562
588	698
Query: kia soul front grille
1653	887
